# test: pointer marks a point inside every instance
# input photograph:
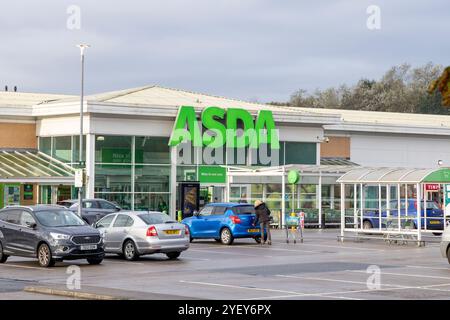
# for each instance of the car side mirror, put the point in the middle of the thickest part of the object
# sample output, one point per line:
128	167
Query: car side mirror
196	213
118	209
32	225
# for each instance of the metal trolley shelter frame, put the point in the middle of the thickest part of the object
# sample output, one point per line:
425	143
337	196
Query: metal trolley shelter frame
384	194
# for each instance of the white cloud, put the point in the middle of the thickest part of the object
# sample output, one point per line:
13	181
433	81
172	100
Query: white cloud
263	49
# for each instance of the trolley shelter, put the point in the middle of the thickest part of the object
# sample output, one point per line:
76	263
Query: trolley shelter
318	176
395	202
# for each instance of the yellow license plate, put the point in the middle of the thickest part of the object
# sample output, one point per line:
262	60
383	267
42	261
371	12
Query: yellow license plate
253	230
435	222
172	231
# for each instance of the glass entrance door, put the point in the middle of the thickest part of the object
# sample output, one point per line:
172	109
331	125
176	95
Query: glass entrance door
218	194
239	193
211	194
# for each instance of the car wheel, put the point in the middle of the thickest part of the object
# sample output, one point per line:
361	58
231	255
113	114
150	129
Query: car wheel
173	255
437	234
130	251
367	225
94	261
226	237
45	256
3	257
258	238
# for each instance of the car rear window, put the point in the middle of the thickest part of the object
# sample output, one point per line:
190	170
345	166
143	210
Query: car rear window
244	210
155	218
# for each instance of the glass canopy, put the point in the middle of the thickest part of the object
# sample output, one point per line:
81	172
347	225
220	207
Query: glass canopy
395	175
18	165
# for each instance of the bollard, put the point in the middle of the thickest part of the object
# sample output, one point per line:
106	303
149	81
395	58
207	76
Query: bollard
179	216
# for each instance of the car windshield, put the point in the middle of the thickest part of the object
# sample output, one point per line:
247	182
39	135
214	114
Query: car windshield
432	205
155	218
411	204
58	218
244	210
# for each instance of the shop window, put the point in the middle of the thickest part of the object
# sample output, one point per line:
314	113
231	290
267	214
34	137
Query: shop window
300	153
237	156
273	196
62	148
123	200
112	178
266	156
45	145
152	150
186	173
152	178
308	196
113	149
76	149
151	202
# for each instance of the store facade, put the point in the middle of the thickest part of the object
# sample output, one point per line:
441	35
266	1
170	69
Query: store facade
129	157
141	171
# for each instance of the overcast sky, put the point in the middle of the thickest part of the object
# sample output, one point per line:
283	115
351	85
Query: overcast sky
260	50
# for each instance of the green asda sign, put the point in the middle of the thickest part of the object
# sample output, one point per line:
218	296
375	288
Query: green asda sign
221	128
212	174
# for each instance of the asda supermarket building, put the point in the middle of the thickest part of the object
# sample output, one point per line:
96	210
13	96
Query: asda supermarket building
129	160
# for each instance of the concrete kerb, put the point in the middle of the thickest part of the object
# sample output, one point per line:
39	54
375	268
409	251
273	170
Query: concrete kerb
70	294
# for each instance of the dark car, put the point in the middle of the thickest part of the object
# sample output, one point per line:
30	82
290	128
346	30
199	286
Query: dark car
93	209
432	216
48	233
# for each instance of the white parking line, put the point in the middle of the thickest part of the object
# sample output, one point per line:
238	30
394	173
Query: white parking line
240	287
336	280
428	267
290	293
280	249
343	247
323	295
195	259
403	274
232	253
125	262
333	294
257	247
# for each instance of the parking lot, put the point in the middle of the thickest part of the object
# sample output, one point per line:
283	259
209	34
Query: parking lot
319	268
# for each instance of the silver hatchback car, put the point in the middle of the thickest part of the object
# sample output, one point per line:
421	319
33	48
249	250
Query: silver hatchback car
134	233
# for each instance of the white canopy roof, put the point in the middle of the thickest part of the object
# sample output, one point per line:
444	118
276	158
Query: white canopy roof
395	175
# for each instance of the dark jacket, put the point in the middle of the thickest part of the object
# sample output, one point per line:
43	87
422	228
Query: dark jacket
262	213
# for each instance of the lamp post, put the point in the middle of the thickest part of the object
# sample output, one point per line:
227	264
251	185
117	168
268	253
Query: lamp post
82	47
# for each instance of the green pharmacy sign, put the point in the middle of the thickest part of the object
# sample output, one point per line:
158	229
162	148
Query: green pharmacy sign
221	128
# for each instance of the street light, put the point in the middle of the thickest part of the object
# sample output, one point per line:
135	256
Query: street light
82	47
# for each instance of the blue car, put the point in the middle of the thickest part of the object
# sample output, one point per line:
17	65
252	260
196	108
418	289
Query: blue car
434	215
224	222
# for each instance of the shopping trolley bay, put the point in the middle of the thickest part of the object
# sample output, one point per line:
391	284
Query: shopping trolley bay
319	268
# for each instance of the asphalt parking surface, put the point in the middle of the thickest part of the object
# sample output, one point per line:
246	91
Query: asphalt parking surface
319	268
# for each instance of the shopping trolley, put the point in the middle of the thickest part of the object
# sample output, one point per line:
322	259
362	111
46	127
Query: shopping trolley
295	223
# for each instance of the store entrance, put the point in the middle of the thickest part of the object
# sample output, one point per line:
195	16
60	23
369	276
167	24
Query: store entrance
52	194
210	194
